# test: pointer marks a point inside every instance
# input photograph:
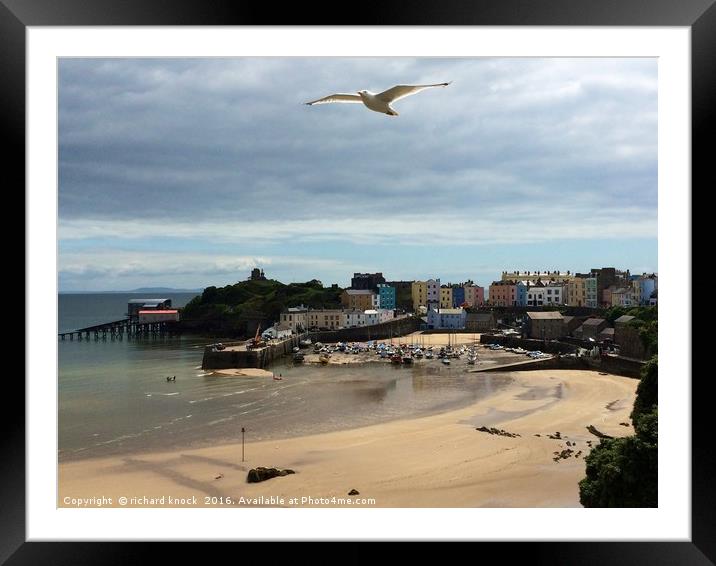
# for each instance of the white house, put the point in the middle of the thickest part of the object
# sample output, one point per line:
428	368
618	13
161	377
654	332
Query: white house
385	315
535	296
553	293
353	318
371	317
281	330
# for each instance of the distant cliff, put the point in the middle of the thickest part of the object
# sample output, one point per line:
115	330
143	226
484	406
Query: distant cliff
236	310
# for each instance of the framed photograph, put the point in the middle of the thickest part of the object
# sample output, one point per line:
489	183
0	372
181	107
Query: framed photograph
200	187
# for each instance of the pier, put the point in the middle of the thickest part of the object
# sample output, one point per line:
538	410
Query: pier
118	329
237	355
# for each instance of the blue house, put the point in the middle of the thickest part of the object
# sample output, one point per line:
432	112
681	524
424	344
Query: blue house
648	286
520	294
458	296
386	296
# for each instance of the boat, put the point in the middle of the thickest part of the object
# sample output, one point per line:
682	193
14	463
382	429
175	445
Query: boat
408	359
323	358
396	358
446	361
298	357
295	349
305	343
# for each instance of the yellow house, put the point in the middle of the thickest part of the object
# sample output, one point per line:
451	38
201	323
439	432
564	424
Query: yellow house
359	299
296	318
419	293
576	292
326	318
445	297
636	291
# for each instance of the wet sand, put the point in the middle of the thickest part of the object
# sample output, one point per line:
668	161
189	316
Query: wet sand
435	461
243	372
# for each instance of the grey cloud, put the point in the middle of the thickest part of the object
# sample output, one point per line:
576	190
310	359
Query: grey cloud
203	139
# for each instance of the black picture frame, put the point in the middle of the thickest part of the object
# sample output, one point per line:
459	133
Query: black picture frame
698	15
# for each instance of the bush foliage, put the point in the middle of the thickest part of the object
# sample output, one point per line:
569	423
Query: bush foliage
623	472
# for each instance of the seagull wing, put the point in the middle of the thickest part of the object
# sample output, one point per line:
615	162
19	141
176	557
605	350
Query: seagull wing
401	91
336	98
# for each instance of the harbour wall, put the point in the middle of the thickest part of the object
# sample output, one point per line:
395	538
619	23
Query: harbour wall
549	346
607	364
390	329
617	365
225	359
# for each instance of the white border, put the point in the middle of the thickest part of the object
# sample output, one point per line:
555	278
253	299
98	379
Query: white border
670	522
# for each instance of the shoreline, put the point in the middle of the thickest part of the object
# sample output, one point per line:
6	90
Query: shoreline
439	460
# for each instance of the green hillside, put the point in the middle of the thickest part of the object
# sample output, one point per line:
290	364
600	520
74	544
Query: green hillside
236	310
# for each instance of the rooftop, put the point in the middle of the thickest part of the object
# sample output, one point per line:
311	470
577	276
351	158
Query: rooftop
624	318
300	308
593	321
549	315
359	292
154	311
142	301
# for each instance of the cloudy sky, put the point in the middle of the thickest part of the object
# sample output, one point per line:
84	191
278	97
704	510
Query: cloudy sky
189	172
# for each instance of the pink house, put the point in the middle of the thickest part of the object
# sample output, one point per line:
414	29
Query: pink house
503	293
474	295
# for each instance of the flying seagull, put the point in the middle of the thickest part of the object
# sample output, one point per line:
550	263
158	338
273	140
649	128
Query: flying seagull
377	102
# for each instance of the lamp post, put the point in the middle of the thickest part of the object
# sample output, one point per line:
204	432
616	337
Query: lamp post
243	431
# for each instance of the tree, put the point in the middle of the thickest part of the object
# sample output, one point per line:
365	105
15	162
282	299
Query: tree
647	392
623	472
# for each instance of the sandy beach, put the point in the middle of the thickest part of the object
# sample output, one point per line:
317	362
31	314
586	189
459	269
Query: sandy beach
435	461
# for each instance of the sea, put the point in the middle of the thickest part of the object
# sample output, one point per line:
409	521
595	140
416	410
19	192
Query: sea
114	398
